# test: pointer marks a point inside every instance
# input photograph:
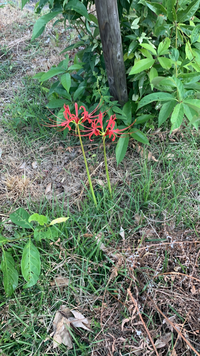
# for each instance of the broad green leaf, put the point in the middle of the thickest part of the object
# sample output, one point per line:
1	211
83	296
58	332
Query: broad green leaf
195	34
143	118
174	55
23	3
20	218
51	233
78	93
3	240
180	88
10	274
64	64
121	148
52	73
190	10
149	47
145	53
142	65
190	114
157	8
56	103
41	219
140	137
76	5
171	11
193	103
30	264
93	19
165	112
38	75
163	46
188	51
75	67
132	47
160	96
41	23
127	111
177	116
39	233
58	221
166	63
152	74
66	81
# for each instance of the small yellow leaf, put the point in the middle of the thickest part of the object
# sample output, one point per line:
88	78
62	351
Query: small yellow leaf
58	221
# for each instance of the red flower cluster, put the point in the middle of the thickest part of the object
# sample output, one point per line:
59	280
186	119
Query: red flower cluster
96	123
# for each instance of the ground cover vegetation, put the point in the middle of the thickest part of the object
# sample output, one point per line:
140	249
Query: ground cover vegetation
113	271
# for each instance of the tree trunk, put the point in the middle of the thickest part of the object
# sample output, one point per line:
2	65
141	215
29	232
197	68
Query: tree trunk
108	18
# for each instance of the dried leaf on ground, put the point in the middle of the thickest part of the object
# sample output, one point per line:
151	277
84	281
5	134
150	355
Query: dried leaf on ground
121	232
79	320
60	281
34	165
48	188
62	323
163	341
61	333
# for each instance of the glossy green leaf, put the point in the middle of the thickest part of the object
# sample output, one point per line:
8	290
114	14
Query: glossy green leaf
193	103
10	274
41	23
149	47
174	54
93	18
121	148
177	116
41	219
157	8
195	34
20	218
78	93
171	11
30	264
56	103
160	96
75	67
185	15
132	47
188	51
143	118
127	111
190	114
180	88
163	47
166	63
165	112
23	3
142	65
140	137
52	73
79	7
66	81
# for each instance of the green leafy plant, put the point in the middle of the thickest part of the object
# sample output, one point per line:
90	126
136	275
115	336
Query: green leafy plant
30	258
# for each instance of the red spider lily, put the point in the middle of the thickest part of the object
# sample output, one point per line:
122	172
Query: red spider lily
73	118
98	130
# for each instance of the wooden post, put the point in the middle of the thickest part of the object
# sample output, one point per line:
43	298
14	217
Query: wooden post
109	27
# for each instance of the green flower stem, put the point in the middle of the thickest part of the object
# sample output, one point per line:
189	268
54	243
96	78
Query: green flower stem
106	165
86	166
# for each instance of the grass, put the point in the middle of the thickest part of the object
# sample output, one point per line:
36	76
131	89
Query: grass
156	203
